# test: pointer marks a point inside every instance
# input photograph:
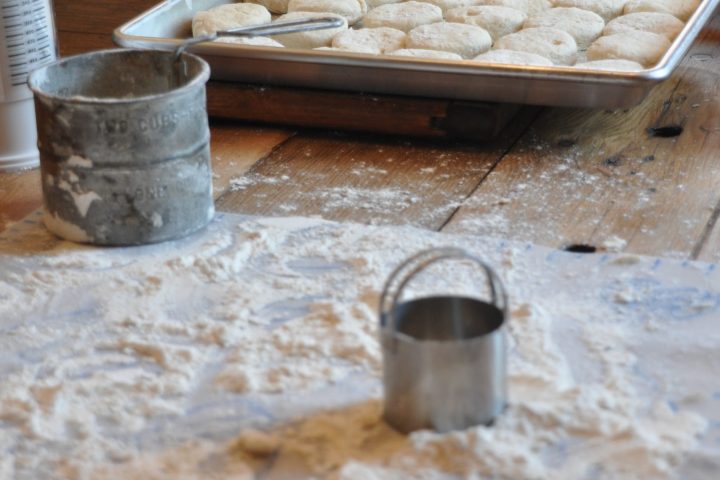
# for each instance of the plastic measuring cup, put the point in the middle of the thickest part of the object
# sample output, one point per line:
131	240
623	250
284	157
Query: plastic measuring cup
27	41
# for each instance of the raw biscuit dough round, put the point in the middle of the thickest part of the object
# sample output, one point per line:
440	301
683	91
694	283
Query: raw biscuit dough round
557	45
498	21
643	47
681	9
618	64
421	53
403	16
345	50
584	25
311	39
466	40
528	7
227	16
654	22
275	6
352	10
446	5
607	9
370	40
376	3
513	57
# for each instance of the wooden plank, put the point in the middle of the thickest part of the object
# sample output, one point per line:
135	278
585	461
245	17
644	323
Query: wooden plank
387	114
710	249
376	180
19	195
72	43
234	149
97	17
582	176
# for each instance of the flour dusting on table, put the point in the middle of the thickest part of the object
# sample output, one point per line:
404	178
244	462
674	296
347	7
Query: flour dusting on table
251	351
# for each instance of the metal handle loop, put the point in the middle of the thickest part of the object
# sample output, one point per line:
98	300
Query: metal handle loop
412	266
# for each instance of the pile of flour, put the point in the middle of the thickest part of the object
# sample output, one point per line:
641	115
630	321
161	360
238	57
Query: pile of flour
251	351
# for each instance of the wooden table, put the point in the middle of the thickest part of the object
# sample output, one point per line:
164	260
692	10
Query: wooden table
554	176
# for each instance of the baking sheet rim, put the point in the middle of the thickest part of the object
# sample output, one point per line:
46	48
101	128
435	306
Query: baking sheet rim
646	78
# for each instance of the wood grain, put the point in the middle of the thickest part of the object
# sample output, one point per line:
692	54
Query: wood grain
97	17
72	43
378	180
385	114
19	195
710	250
235	148
592	177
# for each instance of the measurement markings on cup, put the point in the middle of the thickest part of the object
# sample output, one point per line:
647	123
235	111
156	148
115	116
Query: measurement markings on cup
27	38
27	42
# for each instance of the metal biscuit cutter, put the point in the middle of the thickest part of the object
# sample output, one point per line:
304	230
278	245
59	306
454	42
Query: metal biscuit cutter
444	356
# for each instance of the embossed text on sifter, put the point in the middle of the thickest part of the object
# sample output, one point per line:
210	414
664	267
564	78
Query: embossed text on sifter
124	146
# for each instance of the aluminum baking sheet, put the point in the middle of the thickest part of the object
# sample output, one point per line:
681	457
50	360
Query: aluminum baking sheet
166	24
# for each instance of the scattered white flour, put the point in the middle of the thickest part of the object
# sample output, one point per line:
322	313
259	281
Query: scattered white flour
240	183
65	229
369	199
82	200
68	181
78	161
499	208
614	243
251	351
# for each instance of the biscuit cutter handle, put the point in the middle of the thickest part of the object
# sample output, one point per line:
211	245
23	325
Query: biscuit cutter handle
411	267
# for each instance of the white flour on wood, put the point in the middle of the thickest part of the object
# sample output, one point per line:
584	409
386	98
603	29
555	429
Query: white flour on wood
251	351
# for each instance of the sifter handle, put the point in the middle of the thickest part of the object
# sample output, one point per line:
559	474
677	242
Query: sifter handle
277	28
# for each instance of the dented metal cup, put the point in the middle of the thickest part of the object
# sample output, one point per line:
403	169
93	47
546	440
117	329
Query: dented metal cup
124	146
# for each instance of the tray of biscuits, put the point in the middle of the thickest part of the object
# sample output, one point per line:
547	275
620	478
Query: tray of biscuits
583	53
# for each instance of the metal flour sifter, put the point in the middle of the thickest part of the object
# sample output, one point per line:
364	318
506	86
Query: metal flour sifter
124	141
